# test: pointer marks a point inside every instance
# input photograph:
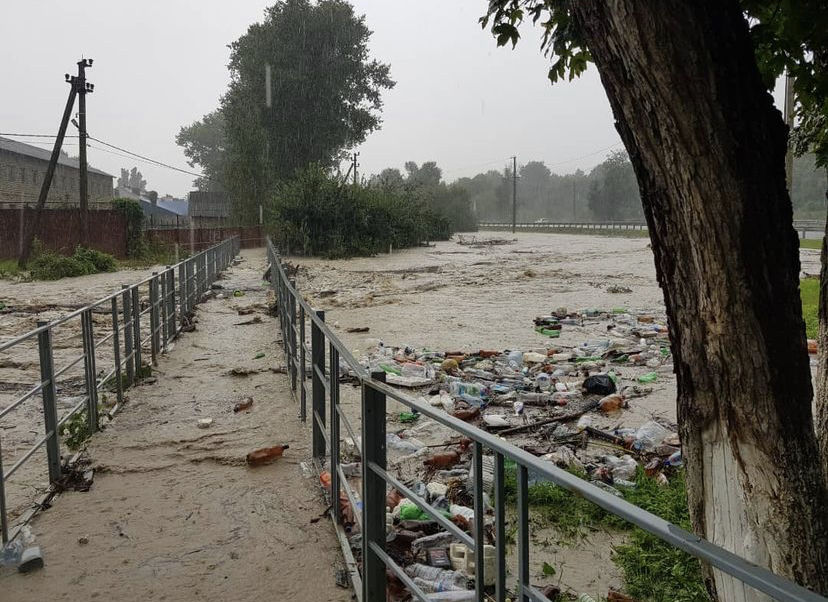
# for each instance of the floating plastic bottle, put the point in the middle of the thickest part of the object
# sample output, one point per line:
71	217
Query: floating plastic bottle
266	455
434	579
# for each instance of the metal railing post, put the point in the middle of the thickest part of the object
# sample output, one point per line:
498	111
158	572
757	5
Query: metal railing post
523	533
153	300
182	288
293	355
333	375
136	331
90	372
165	310
500	527
204	285
318	390
303	377
479	533
49	395
171	304
4	523
373	491
126	301
116	350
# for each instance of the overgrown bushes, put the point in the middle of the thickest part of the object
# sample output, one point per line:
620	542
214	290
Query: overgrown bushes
134	215
48	265
314	214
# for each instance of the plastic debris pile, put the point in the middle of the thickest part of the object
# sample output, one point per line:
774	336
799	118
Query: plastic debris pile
546	400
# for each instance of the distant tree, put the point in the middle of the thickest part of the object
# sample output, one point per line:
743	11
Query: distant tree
533	189
205	145
613	192
390	177
132	179
325	95
123	179
427	174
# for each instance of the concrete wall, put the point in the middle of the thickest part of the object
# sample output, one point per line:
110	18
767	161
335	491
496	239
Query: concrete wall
21	178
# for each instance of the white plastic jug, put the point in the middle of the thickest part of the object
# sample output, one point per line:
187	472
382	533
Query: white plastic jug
462	559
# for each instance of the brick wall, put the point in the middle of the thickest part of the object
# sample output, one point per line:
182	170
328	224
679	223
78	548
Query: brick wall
60	230
198	239
21	178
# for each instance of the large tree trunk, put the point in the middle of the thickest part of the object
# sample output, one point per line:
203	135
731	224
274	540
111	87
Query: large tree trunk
708	149
822	342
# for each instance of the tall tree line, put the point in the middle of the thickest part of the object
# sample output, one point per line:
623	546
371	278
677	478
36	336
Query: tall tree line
303	89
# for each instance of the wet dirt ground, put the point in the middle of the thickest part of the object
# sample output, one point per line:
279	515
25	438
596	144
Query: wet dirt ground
174	512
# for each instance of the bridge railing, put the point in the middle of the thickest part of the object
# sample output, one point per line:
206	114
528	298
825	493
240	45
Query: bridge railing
329	358
803	227
125	330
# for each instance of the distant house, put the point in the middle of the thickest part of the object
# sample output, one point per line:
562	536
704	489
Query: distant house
155	213
177	206
23	167
208	209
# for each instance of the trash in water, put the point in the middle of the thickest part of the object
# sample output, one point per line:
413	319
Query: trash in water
266	455
205	423
243	405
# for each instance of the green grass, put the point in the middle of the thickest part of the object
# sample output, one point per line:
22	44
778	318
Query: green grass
809	292
651	568
8	268
810	243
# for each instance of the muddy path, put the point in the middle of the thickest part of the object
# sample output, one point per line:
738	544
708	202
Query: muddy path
174	512
25	304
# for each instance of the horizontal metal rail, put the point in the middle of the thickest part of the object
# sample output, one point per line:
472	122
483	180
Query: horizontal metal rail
372	449
801	226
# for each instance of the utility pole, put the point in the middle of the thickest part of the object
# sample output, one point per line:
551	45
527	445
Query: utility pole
514	194
789	119
31	232
355	167
83	88
573	200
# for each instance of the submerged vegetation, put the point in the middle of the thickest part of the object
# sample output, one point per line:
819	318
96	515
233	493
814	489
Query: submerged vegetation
652	569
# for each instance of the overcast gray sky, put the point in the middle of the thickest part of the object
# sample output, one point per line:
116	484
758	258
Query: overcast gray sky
459	99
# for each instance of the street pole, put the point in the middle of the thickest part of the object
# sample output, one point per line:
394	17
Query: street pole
514	194
31	232
83	88
573	201
355	167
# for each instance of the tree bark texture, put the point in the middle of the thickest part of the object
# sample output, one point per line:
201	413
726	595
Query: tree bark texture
708	148
822	343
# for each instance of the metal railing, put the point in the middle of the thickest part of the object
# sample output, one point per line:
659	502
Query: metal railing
802	227
328	418
145	316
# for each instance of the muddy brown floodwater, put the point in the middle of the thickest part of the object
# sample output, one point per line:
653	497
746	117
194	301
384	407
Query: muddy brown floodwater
460	297
174	512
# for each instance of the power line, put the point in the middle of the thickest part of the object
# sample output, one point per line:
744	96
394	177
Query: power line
156	162
129	154
35	135
585	156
